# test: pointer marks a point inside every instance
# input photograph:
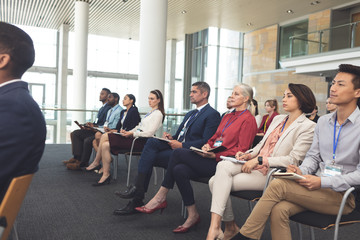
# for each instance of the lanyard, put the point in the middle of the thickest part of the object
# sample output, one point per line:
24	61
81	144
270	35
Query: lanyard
228	124
194	115
113	110
265	123
284	124
149	113
336	140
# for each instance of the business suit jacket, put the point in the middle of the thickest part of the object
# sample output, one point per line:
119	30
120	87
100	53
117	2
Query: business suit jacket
22	133
132	119
293	144
201	128
101	116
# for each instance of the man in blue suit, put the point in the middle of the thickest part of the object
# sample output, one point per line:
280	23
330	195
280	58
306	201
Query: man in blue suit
22	125
195	130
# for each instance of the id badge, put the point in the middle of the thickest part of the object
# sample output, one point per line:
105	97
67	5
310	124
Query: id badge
106	124
218	142
332	170
182	132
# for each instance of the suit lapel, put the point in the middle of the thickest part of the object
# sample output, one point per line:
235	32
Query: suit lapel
199	114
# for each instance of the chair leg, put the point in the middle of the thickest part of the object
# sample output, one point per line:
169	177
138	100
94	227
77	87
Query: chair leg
155	176
312	233
298	226
15	233
115	166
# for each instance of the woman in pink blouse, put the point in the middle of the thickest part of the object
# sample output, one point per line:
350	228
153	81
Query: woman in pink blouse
286	142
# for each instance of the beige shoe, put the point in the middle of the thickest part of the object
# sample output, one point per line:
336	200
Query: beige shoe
71	160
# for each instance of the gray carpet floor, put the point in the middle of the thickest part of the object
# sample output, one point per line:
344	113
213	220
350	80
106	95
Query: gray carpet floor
62	204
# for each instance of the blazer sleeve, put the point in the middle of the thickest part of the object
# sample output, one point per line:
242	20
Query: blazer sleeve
132	119
211	123
302	140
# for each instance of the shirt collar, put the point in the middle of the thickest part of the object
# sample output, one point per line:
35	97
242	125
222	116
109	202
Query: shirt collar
352	118
201	107
11	81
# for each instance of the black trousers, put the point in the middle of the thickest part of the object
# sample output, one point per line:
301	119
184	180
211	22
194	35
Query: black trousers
81	140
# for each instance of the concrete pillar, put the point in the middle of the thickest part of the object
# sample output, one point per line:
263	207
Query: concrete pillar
170	72
153	22
62	83
80	63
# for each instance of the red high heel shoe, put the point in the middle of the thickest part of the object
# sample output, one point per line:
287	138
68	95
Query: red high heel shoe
181	229
160	206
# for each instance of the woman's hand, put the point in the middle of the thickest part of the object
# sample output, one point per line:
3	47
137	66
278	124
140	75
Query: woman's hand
294	169
127	134
250	165
206	147
242	156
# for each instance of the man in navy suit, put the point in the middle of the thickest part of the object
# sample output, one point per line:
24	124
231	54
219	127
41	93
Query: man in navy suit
81	139
195	130
22	125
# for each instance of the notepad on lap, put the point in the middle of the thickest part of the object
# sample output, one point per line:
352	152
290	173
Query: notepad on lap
287	175
214	150
162	139
232	159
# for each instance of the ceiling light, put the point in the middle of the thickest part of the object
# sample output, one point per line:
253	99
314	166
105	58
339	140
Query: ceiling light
315	3
249	24
290	11
183	11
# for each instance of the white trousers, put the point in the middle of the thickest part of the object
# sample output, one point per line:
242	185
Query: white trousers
228	178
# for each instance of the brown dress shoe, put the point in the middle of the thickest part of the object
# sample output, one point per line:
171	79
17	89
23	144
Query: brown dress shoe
71	160
74	166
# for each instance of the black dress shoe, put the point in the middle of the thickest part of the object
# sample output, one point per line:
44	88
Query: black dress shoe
107	181
128	193
129	209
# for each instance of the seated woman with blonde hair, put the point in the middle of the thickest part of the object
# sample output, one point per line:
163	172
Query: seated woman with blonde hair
115	143
286	142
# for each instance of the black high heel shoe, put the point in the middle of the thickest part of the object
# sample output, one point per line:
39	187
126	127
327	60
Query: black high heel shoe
95	168
107	181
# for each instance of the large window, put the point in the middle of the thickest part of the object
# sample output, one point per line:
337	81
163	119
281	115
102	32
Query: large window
216	59
298	45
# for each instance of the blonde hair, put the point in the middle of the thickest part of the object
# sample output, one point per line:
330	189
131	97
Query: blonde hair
247	91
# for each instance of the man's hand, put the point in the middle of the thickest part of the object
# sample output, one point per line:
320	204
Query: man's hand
167	136
174	144
250	165
311	182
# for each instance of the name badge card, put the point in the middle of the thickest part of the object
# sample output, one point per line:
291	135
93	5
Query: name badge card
332	170
218	142
106	124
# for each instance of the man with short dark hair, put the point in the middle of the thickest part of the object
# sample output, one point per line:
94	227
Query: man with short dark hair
81	139
22	125
196	128
331	166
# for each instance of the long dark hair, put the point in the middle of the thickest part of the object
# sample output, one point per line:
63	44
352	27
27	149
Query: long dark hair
159	95
304	96
132	97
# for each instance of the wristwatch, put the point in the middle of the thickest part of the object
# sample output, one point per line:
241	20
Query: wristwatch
260	160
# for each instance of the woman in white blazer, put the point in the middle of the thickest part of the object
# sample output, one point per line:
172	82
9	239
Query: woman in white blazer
286	142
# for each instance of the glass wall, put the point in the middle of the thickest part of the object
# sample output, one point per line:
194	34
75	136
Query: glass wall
216	59
298	47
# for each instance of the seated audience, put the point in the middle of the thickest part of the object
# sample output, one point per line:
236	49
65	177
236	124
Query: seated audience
258	117
271	107
235	132
314	115
195	130
114	143
22	125
330	107
82	140
331	166
129	118
286	142
228	106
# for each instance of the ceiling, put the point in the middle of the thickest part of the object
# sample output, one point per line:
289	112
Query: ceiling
120	18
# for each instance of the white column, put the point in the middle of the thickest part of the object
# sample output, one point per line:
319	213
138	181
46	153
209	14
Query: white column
62	83
80	63
153	22
170	72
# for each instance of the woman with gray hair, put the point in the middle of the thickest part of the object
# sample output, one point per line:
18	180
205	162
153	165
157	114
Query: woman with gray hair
235	133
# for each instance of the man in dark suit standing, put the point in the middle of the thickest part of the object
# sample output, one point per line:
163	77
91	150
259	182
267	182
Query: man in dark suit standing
197	127
22	125
81	139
